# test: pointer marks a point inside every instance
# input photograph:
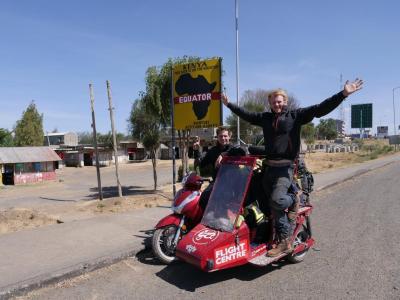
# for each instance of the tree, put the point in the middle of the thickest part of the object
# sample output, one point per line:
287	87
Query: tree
107	139
6	139
247	131
29	130
85	138
308	132
257	101
155	104
145	126
327	129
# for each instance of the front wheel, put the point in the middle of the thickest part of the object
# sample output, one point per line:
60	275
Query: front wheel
163	246
300	238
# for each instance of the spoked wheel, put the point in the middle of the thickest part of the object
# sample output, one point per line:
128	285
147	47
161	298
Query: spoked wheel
162	243
300	238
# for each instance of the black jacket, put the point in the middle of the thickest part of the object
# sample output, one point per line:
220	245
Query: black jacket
210	157
282	131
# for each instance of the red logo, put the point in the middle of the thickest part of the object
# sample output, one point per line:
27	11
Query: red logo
205	236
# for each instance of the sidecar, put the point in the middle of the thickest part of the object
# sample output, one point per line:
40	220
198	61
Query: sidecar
223	239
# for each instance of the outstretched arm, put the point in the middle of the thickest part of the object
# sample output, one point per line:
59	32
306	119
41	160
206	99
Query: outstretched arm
328	105
254	118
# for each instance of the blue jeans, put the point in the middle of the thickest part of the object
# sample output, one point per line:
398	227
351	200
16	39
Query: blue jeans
276	182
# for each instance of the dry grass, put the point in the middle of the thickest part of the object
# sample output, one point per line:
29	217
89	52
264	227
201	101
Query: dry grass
321	161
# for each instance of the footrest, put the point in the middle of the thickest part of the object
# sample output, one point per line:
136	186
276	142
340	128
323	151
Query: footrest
264	260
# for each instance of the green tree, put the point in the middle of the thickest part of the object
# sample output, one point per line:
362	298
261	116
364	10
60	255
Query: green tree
248	132
107	139
327	129
162	93
145	126
85	138
6	139
308	133
155	103
29	130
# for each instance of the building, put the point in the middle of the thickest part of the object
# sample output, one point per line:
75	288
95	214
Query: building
57	139
21	165
82	155
131	151
207	138
340	127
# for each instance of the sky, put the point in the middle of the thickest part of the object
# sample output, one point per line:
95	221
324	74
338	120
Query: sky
51	50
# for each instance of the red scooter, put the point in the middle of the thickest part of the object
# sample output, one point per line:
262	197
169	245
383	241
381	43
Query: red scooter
224	238
187	213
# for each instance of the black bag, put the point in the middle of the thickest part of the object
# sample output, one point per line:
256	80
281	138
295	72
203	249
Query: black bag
305	176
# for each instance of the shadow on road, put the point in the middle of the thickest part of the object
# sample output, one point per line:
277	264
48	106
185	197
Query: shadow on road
188	278
60	200
112	191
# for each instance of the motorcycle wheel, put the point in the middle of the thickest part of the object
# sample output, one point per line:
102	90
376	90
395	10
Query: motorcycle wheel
162	241
301	237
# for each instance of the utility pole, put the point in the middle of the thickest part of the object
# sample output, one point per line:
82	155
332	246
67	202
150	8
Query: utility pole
342	116
95	143
114	137
237	65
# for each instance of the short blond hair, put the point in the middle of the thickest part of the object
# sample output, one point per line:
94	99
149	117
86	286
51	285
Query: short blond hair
278	92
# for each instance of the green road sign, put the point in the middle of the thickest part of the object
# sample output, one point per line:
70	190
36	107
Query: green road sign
361	116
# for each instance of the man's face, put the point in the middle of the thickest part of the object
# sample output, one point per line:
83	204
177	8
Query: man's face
224	137
277	103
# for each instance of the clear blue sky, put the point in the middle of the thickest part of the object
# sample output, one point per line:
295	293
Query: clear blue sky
51	50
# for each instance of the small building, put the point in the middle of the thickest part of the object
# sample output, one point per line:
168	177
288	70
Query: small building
131	151
82	155
21	165
57	139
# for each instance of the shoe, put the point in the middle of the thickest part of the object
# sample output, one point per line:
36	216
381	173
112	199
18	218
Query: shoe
284	246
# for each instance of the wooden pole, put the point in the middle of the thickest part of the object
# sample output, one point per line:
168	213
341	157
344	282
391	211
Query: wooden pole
173	135
111	108
95	143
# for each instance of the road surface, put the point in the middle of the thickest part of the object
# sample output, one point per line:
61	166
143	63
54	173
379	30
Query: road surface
355	224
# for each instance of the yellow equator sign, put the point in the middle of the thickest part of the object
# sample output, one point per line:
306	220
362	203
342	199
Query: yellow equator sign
197	94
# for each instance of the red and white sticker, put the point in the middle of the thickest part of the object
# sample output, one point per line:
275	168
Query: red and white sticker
231	253
205	236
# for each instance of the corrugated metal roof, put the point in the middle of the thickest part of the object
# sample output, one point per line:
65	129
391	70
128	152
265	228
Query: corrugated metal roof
10	155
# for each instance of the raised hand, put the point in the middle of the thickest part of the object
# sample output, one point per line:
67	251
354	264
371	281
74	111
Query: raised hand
351	87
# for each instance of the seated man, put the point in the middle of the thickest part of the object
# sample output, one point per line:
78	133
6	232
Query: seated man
212	159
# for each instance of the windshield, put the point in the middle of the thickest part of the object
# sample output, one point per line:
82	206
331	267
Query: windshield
226	197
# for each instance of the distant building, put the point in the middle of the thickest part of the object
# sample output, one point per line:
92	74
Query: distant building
207	137
382	132
21	165
131	151
56	140
340	127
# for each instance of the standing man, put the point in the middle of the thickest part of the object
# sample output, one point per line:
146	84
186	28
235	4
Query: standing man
281	129
212	159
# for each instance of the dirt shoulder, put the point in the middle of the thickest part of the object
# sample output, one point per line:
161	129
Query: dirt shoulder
28	215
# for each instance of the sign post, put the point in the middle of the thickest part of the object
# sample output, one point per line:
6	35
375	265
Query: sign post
195	98
197	94
361	117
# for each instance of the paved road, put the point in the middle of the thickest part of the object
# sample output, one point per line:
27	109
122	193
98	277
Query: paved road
356	225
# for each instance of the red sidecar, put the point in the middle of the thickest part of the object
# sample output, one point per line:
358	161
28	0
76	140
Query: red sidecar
222	239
